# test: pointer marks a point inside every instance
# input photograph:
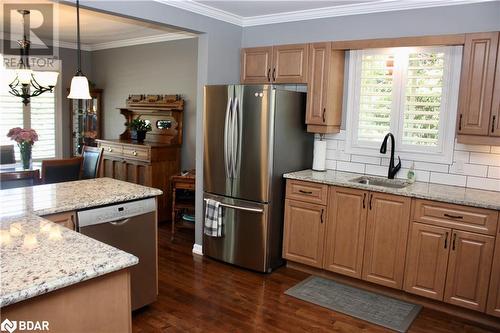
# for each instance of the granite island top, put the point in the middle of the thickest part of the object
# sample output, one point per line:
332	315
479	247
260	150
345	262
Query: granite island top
444	193
38	256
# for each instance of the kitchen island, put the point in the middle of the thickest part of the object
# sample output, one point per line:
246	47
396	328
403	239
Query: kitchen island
53	274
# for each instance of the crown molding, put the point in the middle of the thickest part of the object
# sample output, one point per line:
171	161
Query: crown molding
311	14
119	43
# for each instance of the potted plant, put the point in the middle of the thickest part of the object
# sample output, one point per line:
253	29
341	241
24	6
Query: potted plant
138	128
25	139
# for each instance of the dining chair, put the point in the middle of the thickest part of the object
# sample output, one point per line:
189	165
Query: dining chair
62	170
7	155
92	159
17	179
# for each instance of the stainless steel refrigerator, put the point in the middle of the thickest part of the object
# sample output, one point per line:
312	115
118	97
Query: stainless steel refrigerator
253	134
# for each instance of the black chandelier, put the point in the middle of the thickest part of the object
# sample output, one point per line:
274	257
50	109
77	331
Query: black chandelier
27	83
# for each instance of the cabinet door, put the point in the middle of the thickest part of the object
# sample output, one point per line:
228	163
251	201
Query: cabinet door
476	83
290	63
386	237
113	168
319	55
469	270
427	260
345	231
256	64
137	173
304	232
493	307
495	106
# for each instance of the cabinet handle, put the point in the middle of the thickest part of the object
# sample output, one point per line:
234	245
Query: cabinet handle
110	149
454	241
322	210
324	114
364	198
134	153
493	124
460	123
305	192
370	204
269	74
453	216
446	240
274	74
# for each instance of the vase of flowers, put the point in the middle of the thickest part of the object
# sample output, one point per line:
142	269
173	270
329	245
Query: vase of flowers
25	139
138	129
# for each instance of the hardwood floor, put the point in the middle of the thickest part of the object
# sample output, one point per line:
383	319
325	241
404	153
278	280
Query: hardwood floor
198	294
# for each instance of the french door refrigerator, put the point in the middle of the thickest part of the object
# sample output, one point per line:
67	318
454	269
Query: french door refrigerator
253	134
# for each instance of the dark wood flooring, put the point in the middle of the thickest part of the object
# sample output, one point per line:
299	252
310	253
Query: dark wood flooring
198	294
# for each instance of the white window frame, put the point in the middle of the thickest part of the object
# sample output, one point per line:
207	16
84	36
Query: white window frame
443	153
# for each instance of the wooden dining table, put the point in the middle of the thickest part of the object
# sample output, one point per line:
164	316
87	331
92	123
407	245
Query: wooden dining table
17	168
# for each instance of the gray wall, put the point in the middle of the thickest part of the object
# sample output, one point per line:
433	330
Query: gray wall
159	68
418	22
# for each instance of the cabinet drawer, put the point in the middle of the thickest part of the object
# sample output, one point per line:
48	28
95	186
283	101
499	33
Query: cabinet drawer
466	218
111	149
137	153
307	191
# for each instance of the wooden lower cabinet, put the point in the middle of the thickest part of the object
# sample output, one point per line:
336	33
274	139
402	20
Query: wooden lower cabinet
126	170
66	219
493	306
469	270
427	260
345	231
304	232
386	239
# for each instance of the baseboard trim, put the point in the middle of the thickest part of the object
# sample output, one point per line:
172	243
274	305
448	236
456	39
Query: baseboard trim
198	249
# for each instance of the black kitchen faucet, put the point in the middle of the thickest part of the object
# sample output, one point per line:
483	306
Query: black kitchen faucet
393	170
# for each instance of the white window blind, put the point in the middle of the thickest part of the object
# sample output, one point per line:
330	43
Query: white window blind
410	92
39	114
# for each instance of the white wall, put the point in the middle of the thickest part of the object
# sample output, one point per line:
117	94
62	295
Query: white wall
158	68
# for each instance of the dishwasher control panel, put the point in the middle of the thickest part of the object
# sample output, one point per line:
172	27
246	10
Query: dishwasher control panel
116	212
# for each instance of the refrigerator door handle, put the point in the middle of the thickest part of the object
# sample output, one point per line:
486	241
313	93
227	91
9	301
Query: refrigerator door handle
247	209
235	137
228	138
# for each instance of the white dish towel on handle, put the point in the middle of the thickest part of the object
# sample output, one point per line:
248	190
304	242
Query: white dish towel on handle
213	218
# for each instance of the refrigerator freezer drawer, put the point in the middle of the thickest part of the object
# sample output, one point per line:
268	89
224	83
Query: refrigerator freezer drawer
244	234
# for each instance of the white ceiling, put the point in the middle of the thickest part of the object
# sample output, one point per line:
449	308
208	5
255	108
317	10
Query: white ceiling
246	8
98	30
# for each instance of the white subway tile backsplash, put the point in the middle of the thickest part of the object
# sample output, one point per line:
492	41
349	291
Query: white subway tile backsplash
331	154
486	159
341	156
469	169
376	170
331	144
494	172
495	149
462	156
484	183
350	167
331	164
431	166
475	148
365	159
448	179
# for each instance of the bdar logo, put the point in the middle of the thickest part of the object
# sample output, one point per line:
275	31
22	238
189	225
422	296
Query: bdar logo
9	326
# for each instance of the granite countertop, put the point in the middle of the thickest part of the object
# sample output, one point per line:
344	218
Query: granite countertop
436	192
38	256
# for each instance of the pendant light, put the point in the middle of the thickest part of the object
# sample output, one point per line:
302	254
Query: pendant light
79	84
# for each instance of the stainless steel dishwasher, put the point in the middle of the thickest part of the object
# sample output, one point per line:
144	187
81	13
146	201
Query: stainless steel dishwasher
131	227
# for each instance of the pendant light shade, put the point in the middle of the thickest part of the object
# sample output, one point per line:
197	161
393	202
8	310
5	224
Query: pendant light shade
79	84
79	88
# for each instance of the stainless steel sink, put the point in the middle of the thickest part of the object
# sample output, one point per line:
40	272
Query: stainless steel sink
384	182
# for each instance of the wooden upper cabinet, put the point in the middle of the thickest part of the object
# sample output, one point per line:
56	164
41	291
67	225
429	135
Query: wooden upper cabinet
495	105
275	64
290	63
345	231
256	63
427	260
493	305
469	270
303	237
325	88
386	237
476	83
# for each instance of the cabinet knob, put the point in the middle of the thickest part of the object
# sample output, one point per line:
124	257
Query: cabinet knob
110	149
134	153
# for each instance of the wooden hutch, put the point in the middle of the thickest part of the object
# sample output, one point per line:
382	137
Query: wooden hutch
154	161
